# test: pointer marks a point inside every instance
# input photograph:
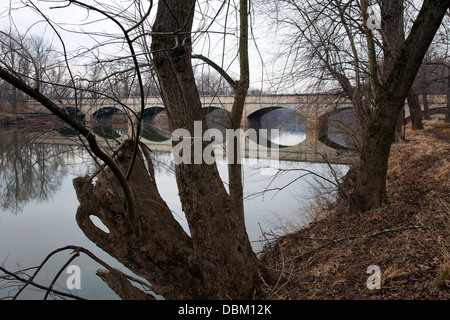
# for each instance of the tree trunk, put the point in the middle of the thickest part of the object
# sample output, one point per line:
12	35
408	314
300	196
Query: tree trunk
240	94
415	110
393	33
447	116
426	105
163	253
370	189
14	100
235	185
399	134
393	37
222	252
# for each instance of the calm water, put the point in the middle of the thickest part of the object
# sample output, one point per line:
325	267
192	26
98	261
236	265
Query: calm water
38	206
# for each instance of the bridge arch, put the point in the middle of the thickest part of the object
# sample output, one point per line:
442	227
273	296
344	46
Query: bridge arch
340	129
156	124
216	117
105	112
75	113
156	116
263	111
150	112
110	122
291	124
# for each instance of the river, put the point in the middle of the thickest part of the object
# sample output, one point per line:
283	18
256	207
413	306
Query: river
38	205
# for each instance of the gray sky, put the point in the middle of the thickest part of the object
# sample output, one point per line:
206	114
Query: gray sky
19	16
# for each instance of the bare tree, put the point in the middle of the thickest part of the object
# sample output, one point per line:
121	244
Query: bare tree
323	46
339	45
210	83
16	57
215	219
215	260
390	95
433	78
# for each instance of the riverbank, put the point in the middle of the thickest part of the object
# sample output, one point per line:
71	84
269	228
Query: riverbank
31	121
408	239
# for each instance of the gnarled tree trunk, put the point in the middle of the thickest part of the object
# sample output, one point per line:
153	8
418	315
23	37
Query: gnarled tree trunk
222	252
162	254
216	260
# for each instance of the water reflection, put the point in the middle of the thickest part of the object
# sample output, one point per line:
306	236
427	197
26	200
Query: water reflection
30	171
34	171
36	180
154	133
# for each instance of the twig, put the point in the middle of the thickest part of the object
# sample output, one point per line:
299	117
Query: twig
77	250
103	166
65	294
280	277
77	254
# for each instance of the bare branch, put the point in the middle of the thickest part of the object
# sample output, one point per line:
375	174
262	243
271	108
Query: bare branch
219	69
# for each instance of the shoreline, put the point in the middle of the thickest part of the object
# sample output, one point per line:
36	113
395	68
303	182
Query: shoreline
404	244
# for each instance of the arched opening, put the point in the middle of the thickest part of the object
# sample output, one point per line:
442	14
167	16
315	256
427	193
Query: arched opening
76	114
290	124
110	122
216	117
156	124
156	115
105	113
341	130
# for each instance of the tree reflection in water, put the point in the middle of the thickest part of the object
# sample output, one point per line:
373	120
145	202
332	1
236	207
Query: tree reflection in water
33	171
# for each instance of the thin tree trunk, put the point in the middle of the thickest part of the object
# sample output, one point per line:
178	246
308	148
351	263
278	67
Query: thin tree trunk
415	110
447	116
240	94
399	134
393	38
426	106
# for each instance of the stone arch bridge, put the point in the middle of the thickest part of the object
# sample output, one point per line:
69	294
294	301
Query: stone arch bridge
327	121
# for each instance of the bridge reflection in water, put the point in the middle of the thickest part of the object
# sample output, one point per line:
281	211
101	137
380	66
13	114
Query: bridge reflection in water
292	140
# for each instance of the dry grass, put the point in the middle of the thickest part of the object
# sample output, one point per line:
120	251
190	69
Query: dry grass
413	253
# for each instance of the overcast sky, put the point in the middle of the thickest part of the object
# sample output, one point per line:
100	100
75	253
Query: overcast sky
19	16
